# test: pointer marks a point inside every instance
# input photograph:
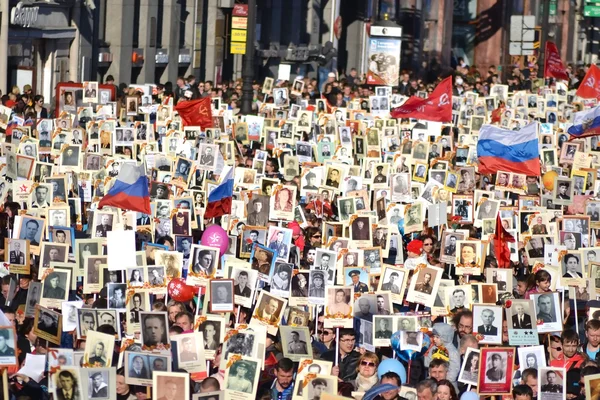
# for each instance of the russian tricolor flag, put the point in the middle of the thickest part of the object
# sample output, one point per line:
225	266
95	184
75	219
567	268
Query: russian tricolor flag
505	150
130	191
586	123
219	200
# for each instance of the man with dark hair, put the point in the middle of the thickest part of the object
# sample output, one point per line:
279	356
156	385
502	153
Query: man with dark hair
188	353
551	386
5	349
241	288
253	239
529	378
319	386
99	387
210	384
68	387
348	357
154	330
522	392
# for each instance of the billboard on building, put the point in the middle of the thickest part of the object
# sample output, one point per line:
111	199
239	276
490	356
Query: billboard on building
383	62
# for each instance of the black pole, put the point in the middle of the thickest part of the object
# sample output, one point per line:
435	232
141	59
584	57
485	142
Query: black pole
248	72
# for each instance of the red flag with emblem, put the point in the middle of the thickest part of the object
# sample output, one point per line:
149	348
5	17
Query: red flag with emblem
590	86
501	240
196	113
437	107
553	65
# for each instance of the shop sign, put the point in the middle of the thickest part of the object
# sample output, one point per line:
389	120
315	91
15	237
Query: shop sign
24	16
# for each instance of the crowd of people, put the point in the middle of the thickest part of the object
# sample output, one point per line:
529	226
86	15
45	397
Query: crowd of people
366	256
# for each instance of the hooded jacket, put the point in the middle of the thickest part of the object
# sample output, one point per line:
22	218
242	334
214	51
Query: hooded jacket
446	333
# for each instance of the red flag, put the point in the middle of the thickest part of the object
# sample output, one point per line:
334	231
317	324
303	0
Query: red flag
501	240
196	113
589	88
437	107
553	65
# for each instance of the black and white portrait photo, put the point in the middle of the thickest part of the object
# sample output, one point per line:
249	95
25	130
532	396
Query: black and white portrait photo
154	329
547	309
221	295
487	321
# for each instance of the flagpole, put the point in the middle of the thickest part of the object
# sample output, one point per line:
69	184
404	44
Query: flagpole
248	71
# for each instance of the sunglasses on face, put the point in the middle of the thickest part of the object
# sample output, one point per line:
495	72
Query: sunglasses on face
367	363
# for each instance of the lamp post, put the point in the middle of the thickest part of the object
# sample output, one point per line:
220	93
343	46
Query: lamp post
248	71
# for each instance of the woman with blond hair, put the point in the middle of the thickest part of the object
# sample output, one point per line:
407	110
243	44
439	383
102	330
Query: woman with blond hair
367	372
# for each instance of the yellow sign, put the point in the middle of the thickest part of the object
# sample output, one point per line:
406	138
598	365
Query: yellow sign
239	22
238	48
238	35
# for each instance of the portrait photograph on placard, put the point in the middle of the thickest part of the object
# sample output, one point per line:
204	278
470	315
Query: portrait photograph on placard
495	370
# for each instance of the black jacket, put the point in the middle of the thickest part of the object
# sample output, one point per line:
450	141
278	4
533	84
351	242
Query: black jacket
347	364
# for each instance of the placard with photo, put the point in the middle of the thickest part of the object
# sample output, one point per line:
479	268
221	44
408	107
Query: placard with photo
469	371
99	349
268	312
487	321
495	370
190	352
241	378
338	307
296	342
548	312
213	333
424	285
47	324
55	288
221	295
552	383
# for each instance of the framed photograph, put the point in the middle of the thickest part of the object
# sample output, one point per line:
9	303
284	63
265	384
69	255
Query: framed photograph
47	324
241	378
383	328
34	294
531	357
53	253
244	283
32	229
213	333
547	310
424	286
592	387
338	309
268	311
92	278
99	349
469	371
296	342
18	255
103	223
221	295
495	370
67	383
207	156
8	344
552	383
117	293
487	321
154	329
411	340
138	369
99	383
190	351
55	288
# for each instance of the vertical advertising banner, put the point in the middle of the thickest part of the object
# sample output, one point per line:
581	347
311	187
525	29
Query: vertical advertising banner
384	62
